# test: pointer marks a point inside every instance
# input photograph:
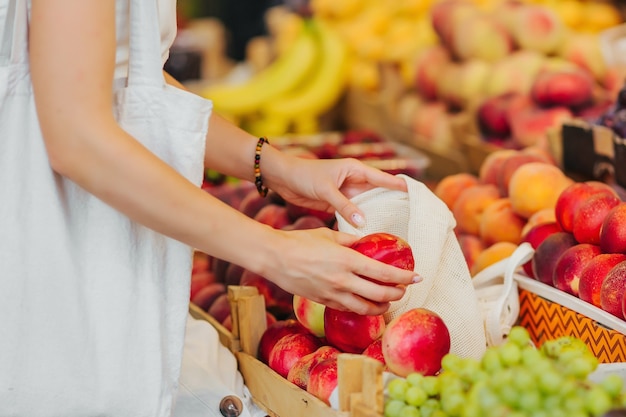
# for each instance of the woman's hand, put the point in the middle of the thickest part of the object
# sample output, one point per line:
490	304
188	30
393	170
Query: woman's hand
328	184
316	264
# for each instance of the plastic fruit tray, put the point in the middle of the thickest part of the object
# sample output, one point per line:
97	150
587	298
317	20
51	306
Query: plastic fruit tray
549	313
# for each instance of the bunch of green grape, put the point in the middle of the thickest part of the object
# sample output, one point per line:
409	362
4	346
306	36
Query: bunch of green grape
514	379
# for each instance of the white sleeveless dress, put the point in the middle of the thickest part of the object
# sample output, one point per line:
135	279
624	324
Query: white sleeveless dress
93	306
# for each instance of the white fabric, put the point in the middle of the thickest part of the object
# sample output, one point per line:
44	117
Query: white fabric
92	306
423	220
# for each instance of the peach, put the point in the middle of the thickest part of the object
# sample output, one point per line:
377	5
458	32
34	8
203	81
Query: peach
571	198
351	332
375	351
567	270
584	49
310	314
220	307
274	332
470	206
450	187
427	70
446	14
206	296
278	301
538	28
613	232
573	88
273	215
480	37
529	126
613	289
548	253
415	341
590	215
323	379
510	165
471	246
308	221
535	235
252	203
593	275
514	73
500	224
488	172
492	254
201	262
469	85
546	215
492	116
219	268
289	349
295	211
535	186
200	280
301	370
233	274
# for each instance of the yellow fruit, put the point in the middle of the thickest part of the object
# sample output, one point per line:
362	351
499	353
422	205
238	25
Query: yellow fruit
600	16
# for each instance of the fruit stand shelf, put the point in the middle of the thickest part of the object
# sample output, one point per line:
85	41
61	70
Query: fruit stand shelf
360	378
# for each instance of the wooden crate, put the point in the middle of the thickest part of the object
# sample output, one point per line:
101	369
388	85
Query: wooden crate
360	378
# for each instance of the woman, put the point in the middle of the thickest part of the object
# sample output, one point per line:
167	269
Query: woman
100	167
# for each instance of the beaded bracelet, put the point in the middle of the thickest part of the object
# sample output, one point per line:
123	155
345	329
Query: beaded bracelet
258	179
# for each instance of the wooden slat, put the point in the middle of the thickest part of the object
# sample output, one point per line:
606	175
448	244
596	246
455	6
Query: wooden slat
226	337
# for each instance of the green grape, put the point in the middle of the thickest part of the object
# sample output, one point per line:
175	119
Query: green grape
499	410
429	407
508	394
519	335
552	402
396	388
393	407
468	369
414	378
453	403
409	411
524	380
490	361
450	381
529	401
450	362
549	382
598	401
472	409
502	378
581	367
516	413
613	384
540	413
510	354
487	398
430	384
532	357
439	413
574	404
415	395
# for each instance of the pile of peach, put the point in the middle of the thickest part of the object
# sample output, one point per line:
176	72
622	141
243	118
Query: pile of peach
516	69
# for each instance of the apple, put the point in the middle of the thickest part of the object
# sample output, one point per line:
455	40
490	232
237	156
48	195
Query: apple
200	280
323	379
351	332
375	351
570	264
274	333
220	307
301	370
310	314
415	341
613	232
278	301
547	254
613	289
206	296
535	235
593	275
387	248
289	349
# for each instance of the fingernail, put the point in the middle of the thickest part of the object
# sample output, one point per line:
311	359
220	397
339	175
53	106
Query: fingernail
417	278
358	219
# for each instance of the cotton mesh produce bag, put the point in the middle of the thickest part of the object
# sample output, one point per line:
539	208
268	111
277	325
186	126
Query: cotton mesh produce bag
423	220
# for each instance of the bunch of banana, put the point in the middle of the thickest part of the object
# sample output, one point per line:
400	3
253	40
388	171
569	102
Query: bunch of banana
285	73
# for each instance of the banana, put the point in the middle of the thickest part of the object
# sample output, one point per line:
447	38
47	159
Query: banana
284	74
326	85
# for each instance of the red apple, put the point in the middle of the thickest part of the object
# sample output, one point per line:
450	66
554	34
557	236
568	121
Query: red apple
301	370
593	275
387	248
323	379
375	351
570	199
613	232
535	236
277	301
220	307
547	254
590	215
613	289
570	264
351	332
289	349
415	341
310	314
200	280
274	333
